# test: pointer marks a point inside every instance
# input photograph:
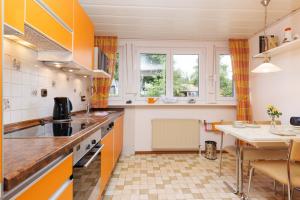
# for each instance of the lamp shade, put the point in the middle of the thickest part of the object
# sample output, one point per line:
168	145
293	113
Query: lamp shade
266	67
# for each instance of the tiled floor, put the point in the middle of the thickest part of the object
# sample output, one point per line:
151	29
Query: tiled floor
183	176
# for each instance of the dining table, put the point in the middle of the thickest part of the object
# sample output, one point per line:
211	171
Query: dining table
257	136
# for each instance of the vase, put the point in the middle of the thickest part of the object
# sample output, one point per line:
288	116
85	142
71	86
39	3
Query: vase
273	123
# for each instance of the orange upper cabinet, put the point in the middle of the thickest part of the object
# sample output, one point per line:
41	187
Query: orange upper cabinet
63	9
41	18
14	14
83	41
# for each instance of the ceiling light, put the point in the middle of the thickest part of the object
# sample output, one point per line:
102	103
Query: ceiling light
69	69
266	66
20	41
85	76
11	37
26	44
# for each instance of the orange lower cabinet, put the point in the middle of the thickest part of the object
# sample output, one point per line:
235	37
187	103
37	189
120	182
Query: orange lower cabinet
106	160
67	193
49	183
1	90
118	138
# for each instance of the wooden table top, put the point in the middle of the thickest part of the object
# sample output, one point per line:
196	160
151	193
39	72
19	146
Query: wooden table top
255	135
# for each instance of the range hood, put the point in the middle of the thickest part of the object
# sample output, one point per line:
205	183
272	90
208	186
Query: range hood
50	53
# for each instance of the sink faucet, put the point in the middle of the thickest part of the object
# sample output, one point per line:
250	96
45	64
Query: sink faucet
88	107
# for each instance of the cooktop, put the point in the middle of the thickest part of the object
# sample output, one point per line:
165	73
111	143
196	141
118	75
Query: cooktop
52	129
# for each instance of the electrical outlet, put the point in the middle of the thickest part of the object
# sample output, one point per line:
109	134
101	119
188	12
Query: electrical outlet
6	104
16	64
34	92
53	83
44	92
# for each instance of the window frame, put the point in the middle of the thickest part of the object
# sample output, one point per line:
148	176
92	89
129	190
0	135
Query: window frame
138	69
218	52
201	52
122	62
201	70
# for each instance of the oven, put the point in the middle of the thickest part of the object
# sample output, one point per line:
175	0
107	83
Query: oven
87	165
87	168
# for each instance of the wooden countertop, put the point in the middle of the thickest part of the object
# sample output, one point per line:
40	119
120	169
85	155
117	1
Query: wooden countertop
23	157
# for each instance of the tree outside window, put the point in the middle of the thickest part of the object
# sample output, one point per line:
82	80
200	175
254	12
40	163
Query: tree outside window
186	75
152	74
114	89
226	88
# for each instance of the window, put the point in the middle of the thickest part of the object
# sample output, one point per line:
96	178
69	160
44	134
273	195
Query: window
226	85
152	74
185	75
115	85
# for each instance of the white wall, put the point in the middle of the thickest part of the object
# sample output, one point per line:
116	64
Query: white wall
18	85
138	116
280	89
138	134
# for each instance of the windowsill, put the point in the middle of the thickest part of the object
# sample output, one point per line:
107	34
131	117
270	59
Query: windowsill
178	104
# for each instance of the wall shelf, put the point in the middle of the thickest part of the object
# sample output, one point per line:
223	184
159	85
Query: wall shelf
100	74
280	49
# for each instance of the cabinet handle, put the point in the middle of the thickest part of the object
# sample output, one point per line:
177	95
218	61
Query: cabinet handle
93	157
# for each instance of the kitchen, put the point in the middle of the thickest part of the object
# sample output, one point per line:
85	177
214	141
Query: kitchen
97	94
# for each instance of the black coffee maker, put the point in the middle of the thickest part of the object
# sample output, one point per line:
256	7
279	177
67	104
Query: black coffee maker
62	109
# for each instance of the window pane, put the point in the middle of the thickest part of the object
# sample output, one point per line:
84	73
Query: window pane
185	75
226	76
153	74
114	89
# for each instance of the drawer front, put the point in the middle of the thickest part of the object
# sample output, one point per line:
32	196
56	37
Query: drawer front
39	19
49	183
62	9
67	194
14	14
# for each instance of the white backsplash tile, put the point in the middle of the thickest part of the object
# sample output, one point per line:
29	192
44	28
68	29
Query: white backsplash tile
6	75
15	90
6	90
16	116
22	88
6	117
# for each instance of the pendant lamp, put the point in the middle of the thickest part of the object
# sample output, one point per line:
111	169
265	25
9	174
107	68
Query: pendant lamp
266	66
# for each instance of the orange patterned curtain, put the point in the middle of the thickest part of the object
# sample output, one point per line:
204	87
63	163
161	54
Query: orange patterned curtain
101	86
239	50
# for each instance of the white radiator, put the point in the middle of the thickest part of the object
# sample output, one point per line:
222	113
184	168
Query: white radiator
175	134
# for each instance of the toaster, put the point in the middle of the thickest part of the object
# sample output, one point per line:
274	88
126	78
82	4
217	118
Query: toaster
295	121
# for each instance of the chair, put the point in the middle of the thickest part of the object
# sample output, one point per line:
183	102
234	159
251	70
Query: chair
286	172
269	151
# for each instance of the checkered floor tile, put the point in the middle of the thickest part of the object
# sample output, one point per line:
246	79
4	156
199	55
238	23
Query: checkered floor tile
182	176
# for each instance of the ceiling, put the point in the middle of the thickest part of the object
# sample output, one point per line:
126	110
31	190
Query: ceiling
183	19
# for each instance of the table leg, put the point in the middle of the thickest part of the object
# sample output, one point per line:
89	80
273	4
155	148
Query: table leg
240	172
235	189
237	167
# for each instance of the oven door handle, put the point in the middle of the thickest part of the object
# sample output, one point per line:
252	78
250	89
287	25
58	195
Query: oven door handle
86	165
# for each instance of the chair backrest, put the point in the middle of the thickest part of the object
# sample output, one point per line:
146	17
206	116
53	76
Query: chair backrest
295	151
266	122
220	123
